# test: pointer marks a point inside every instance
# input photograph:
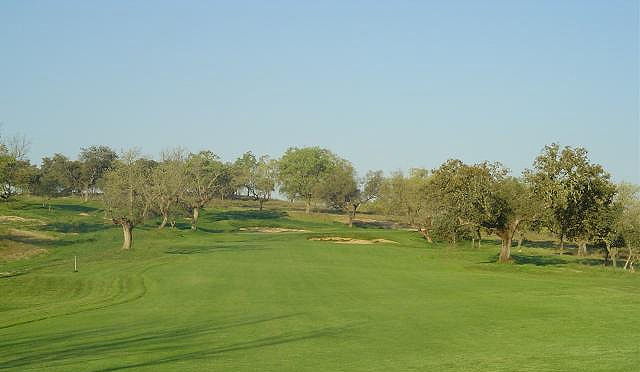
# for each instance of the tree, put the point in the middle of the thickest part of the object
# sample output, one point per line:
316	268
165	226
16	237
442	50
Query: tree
205	178
16	173
264	179
94	162
244	169
46	183
302	172
339	187
628	224
66	173
598	217
566	183
126	193
368	189
168	181
484	196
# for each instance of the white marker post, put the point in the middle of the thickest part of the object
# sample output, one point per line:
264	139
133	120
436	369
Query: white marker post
75	264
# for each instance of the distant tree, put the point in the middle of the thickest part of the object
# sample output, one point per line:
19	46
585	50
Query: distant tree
243	170
628	224
264	179
126	193
302	172
94	162
168	181
45	183
401	196
484	196
205	178
368	189
17	146
66	173
15	174
567	184
339	186
448	196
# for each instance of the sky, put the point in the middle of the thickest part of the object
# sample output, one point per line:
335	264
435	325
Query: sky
388	85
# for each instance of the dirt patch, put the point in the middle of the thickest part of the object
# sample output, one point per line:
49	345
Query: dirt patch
17	251
341	240
20	219
270	229
30	234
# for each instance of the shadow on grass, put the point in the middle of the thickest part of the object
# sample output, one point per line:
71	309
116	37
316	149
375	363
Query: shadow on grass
70	347
198	249
74	208
247	215
548	244
255	343
207	230
543	260
374	224
76	227
536	260
46	242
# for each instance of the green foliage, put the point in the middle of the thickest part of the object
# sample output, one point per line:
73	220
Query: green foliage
243	171
572	189
127	194
206	177
94	161
302	172
264	179
339	187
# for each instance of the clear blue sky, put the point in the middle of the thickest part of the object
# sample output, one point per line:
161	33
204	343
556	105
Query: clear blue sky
388	85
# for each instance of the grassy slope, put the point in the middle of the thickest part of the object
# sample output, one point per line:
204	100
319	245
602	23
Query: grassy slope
219	299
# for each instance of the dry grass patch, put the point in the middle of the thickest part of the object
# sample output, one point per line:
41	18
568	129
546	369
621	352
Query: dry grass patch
20	220
35	235
12	251
341	240
270	229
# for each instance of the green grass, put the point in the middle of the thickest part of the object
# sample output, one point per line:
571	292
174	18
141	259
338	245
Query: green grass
223	300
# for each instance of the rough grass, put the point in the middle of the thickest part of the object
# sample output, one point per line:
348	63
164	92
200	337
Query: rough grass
221	300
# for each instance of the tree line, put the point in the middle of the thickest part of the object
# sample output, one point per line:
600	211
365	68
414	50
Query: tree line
563	193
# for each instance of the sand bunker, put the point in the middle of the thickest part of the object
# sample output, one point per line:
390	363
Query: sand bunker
83	214
341	240
270	229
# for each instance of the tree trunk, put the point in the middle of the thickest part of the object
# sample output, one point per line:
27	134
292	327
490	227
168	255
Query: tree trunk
127	229
307	207
85	195
425	233
520	239
582	249
261	201
561	245
506	235
165	219
613	253
352	215
194	219
630	255
505	249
